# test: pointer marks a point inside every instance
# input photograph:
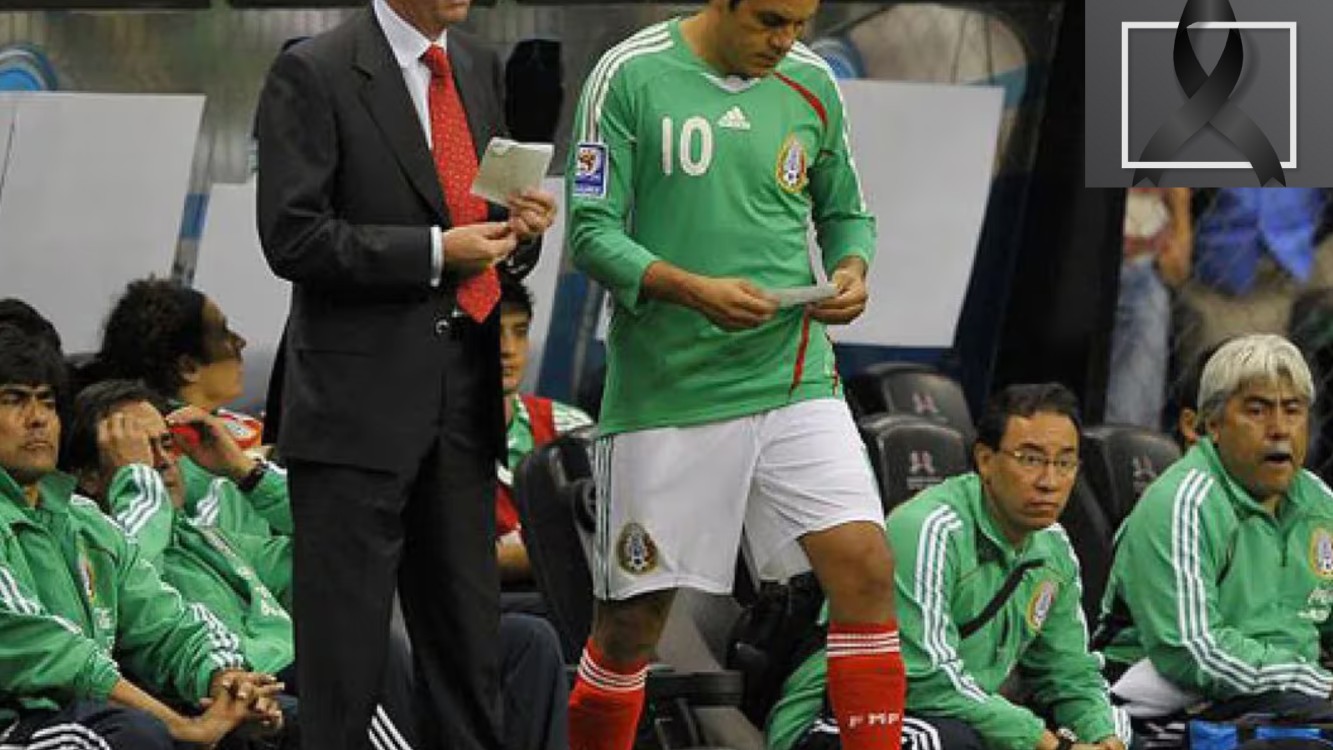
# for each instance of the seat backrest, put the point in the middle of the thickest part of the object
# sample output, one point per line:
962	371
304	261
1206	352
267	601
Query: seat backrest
1120	461
1091	535
553	492
910	454
771	637
910	388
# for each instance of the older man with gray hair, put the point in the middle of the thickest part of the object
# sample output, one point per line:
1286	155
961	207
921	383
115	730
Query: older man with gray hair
1222	582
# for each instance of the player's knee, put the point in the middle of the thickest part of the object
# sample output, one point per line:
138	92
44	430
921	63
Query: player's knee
860	575
628	630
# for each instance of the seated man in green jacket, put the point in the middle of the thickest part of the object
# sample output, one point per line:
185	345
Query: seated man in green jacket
127	459
987	584
125	454
1221	586
78	601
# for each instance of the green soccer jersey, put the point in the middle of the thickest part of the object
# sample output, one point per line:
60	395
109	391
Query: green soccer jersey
722	177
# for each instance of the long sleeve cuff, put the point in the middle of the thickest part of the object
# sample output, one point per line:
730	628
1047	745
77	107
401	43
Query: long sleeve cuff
436	256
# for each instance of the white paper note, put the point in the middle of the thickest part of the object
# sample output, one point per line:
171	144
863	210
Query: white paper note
803	295
509	167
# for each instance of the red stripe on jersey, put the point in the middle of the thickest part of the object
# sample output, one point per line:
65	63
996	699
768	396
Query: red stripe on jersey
809	96
799	369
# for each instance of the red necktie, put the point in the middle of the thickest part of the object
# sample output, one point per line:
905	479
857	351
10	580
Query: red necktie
456	165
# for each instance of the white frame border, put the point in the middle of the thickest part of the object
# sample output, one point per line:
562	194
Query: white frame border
1125	27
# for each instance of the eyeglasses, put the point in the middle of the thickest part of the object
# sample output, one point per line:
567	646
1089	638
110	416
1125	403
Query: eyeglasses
1028	461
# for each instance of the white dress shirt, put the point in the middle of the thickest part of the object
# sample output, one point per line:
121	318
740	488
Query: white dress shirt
408	45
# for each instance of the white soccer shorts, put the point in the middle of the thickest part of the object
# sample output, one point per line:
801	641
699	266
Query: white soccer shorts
672	502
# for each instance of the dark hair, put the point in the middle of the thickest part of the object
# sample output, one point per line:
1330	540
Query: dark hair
1024	400
91	406
153	324
30	360
23	316
514	293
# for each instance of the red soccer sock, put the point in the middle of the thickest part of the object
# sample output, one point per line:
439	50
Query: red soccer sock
867	684
605	703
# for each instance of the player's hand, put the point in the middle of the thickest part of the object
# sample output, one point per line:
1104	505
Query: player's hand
235	698
850	301
472	248
214	449
122	441
732	304
531	213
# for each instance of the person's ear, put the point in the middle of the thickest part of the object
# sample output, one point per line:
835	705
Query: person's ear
984	457
1188	424
188	368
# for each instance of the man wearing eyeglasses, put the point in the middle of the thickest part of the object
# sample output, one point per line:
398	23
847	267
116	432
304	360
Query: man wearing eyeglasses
1222	583
987	583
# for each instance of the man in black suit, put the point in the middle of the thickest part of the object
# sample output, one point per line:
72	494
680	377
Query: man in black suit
392	418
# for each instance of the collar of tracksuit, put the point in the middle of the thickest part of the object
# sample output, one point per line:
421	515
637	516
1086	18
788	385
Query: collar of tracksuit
989	529
1294	501
54	489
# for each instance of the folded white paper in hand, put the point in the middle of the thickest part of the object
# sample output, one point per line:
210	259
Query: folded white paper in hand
510	167
803	295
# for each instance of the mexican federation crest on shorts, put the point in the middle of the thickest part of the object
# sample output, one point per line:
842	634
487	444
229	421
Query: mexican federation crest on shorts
635	550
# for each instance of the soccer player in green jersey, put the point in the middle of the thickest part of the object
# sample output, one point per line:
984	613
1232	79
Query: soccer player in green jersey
706	147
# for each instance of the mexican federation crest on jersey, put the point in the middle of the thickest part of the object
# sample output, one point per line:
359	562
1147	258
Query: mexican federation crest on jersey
1039	606
1321	553
635	550
793	162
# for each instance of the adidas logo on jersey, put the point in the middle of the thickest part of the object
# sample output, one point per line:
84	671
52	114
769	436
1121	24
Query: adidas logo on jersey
734	119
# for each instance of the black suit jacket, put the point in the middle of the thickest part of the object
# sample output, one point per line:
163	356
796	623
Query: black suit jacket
347	195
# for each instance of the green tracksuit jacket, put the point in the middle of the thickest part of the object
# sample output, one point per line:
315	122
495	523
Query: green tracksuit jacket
216	501
1225	598
73	591
243	581
950	561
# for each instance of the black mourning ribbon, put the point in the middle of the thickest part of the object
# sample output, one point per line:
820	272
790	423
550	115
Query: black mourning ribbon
1209	101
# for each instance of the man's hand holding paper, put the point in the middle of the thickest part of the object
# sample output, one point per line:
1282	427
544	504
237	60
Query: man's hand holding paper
511	173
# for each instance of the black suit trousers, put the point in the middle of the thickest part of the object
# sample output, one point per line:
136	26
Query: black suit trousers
430	533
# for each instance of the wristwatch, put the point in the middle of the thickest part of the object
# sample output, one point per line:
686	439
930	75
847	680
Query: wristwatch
250	481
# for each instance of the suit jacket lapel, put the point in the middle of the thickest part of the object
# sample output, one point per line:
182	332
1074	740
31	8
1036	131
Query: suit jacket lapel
385	97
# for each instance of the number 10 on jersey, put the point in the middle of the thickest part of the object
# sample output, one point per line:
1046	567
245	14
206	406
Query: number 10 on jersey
696	137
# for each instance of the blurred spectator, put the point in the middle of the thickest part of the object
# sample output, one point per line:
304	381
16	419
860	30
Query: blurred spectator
1156	260
1255	251
176	340
531	421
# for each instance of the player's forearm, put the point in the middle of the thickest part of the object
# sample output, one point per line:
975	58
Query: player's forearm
127	694
663	281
